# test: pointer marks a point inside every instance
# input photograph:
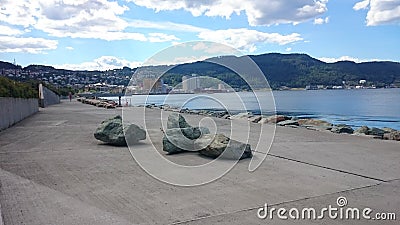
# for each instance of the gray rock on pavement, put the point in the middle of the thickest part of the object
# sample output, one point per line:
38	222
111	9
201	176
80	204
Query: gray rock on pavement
176	120
221	146
111	131
178	140
134	134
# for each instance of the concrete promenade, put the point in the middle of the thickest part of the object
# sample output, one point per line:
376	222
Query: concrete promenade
53	171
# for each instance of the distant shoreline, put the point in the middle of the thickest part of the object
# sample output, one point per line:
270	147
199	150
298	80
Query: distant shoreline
99	95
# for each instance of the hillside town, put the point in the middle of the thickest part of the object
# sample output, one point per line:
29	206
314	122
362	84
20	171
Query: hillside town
112	82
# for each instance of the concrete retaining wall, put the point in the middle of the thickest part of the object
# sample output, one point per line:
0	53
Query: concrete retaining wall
47	97
13	110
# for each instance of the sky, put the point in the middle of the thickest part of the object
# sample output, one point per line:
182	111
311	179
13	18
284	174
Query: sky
108	34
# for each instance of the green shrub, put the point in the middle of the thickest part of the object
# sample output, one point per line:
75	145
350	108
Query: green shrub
11	88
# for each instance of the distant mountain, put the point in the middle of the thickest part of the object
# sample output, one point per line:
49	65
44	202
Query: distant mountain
299	70
290	70
37	68
8	66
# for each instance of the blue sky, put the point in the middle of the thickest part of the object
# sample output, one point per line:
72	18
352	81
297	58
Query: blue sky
106	34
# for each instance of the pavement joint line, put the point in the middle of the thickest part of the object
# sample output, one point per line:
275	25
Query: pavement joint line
328	168
276	204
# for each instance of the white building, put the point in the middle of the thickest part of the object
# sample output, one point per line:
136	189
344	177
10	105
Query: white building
190	83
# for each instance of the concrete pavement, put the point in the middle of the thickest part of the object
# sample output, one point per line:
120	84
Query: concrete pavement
53	171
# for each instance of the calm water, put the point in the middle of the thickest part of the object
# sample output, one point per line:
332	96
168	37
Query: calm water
371	107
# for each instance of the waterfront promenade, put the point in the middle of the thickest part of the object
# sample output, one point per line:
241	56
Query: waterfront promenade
53	171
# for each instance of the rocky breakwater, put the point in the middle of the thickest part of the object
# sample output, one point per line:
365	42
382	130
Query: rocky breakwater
108	104
182	137
288	121
315	124
112	132
384	133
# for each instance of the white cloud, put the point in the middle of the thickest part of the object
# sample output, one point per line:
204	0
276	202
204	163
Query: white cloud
246	40
175	60
69	48
258	12
380	11
342	58
165	26
361	5
102	63
288	49
160	37
8	31
11	41
319	21
29	45
108	36
83	19
94	19
19	12
214	49
348	58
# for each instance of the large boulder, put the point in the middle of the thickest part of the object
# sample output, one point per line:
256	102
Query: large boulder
342	128
179	135
394	135
178	140
111	131
134	133
176	120
219	145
